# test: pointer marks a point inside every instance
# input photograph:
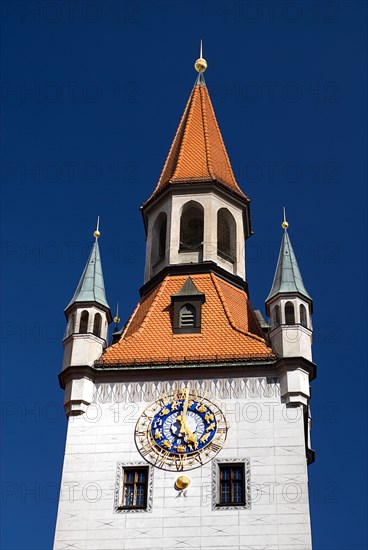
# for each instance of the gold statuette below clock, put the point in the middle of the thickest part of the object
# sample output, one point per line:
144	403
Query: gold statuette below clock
182	430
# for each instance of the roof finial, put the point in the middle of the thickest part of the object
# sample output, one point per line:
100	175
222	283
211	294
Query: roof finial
201	64
97	233
285	224
117	318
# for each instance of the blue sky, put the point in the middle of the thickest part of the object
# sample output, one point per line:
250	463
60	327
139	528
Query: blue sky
92	94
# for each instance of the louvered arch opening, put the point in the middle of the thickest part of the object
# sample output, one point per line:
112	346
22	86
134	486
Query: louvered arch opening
187	316
191	226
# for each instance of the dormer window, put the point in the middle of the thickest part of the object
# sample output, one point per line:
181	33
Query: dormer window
187	305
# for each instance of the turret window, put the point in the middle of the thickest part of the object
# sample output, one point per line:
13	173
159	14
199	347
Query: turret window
226	235
289	313
71	325
303	316
191	227
187	316
276	316
97	325
83	324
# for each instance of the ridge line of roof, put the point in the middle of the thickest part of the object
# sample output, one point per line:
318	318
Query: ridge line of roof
185	133
297	277
229	316
150	309
206	135
224	148
157	188
126	328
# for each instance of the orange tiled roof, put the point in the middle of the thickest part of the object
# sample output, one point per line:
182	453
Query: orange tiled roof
230	330
198	153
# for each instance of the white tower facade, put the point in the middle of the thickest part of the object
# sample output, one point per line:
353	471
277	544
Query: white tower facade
191	429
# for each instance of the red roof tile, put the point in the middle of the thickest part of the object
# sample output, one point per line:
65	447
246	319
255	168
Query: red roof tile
198	153
229	331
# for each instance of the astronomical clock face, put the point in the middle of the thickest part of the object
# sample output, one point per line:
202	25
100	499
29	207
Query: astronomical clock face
180	431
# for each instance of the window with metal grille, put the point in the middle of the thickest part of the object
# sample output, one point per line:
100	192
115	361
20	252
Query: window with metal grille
232	485
135	488
187	316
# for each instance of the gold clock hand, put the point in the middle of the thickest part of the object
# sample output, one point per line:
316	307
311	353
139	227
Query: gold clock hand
183	426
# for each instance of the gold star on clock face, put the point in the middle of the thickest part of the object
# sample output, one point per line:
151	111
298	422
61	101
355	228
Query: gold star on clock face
182	430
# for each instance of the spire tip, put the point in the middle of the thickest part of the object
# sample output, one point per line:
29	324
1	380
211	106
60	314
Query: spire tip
97	233
201	64
285	224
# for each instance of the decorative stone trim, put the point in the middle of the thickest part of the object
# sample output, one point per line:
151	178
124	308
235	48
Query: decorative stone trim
118	491
221	388
216	483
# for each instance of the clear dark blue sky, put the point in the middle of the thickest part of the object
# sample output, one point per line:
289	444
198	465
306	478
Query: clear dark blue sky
92	93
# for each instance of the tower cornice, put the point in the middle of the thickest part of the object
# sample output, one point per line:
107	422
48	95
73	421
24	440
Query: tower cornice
193	269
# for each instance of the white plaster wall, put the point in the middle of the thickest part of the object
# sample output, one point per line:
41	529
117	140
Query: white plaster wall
261	428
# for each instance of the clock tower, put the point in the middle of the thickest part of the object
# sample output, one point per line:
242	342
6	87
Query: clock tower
190	429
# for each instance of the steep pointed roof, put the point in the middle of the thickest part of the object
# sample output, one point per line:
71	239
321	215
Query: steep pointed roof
198	153
287	278
91	287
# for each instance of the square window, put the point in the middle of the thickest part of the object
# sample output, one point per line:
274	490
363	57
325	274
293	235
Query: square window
231	487
133	492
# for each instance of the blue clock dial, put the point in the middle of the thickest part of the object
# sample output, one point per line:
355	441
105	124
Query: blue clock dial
180	431
178	435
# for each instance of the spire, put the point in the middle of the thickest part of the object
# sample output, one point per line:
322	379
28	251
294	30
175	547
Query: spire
287	278
198	153
91	287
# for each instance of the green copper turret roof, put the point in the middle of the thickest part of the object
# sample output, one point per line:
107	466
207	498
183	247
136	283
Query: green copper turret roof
288	279
91	287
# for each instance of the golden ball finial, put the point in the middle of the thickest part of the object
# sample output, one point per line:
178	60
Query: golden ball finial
117	319
182	483
96	234
200	65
